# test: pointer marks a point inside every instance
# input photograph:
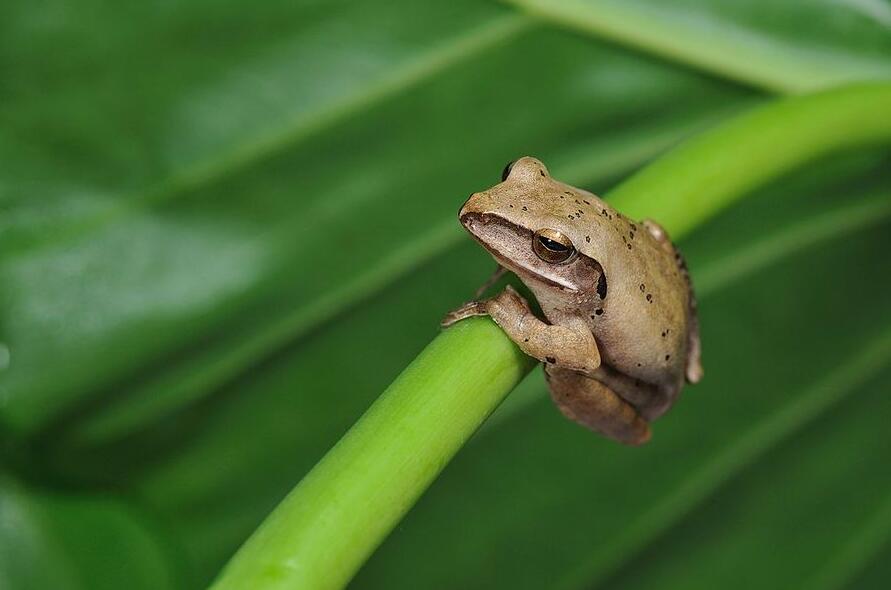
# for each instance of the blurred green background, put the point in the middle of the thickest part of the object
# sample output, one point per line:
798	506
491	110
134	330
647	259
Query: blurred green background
225	227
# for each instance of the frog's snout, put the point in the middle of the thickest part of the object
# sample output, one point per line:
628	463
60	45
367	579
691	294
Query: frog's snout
471	220
476	205
482	226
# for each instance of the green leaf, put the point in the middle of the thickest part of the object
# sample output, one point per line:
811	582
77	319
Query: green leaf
70	541
167	325
815	540
760	42
190	279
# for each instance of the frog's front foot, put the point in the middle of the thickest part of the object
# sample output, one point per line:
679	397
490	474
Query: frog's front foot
570	346
507	302
468	310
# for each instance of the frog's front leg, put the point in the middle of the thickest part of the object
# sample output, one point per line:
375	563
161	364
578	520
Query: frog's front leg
597	407
567	346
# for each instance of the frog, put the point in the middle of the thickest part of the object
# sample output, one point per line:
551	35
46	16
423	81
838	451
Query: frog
619	331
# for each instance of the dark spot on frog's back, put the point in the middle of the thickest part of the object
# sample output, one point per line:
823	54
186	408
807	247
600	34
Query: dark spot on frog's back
551	360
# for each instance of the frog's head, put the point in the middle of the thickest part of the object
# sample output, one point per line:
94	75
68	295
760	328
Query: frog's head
530	224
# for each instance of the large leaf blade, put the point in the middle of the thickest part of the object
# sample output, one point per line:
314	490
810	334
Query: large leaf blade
200	288
760	43
72	541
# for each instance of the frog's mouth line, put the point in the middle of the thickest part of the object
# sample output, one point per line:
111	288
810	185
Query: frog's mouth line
487	228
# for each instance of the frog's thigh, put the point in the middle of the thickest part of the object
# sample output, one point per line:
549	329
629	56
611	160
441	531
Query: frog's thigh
565	346
649	400
594	405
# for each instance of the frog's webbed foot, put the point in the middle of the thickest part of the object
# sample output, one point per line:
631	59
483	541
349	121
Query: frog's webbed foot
566	346
596	407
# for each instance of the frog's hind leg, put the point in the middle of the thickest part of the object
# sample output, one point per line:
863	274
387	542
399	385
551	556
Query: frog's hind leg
595	406
650	401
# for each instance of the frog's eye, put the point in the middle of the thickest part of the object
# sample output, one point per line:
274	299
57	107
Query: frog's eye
506	172
552	246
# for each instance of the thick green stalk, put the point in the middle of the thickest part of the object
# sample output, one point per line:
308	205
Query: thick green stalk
320	535
323	531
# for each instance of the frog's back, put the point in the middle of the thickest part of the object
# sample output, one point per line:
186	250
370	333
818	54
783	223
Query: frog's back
643	324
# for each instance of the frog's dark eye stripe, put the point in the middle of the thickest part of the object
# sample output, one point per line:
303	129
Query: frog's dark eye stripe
601	286
506	172
552	246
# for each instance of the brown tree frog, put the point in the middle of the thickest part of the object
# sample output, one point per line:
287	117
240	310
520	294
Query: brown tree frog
620	333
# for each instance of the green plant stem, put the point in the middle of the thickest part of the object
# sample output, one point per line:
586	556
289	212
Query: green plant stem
324	530
337	515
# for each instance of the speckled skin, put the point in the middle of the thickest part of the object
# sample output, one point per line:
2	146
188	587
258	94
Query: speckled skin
621	336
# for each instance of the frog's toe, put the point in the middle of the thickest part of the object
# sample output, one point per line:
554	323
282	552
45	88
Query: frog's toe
471	309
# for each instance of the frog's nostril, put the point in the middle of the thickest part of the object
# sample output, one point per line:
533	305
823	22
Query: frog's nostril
469	220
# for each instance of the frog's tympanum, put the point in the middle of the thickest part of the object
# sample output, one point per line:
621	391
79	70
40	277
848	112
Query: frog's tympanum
619	336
